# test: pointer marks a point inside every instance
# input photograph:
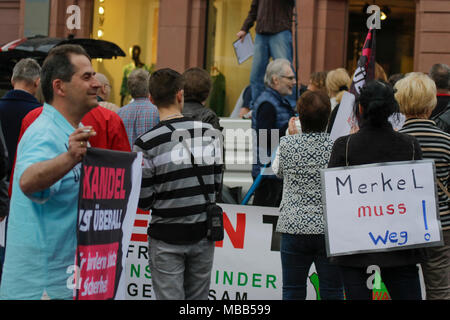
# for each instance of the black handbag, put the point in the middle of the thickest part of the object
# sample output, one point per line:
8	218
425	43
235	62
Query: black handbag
214	213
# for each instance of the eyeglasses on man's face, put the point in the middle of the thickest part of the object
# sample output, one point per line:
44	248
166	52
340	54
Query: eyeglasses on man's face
290	78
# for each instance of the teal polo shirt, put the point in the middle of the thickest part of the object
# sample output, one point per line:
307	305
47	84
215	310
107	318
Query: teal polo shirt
41	235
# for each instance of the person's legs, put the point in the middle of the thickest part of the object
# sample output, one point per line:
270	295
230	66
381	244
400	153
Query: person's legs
402	283
436	270
295	264
280	46
330	280
167	269
355	283
259	64
268	193
197	275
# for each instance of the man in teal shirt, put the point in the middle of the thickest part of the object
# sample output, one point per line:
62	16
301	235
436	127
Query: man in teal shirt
43	212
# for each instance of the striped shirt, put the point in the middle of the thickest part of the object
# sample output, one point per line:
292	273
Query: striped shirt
435	144
170	187
138	117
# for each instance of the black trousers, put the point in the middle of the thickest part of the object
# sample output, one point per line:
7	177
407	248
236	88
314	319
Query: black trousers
268	193
402	283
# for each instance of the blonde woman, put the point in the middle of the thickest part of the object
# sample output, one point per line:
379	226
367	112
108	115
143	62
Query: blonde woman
338	82
416	95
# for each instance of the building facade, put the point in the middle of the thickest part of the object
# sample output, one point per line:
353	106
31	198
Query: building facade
186	33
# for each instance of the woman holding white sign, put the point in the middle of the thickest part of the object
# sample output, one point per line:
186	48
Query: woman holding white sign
377	142
301	156
416	94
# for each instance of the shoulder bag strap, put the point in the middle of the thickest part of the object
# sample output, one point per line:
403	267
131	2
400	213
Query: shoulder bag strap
194	165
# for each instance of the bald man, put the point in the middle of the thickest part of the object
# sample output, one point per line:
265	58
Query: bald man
104	92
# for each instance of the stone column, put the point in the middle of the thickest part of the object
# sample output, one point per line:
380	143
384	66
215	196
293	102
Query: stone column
322	36
182	30
432	36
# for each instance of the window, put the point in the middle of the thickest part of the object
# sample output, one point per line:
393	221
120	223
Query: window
225	18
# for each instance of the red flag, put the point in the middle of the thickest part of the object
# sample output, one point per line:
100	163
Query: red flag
346	117
365	70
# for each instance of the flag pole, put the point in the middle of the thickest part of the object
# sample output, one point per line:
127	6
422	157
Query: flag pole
258	179
296	48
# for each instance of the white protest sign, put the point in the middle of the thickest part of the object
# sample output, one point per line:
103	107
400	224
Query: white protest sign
344	121
380	207
247	263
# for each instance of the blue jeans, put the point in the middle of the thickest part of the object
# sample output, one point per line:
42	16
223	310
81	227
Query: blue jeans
298	252
278	45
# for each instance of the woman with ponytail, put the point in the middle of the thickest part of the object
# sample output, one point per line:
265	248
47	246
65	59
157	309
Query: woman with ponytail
337	83
377	142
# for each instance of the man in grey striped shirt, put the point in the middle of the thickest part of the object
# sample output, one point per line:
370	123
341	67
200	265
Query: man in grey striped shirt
180	255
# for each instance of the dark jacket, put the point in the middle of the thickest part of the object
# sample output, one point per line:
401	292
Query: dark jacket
14	106
443	100
3	155
442	119
271	16
375	145
199	112
4	198
277	119
332	118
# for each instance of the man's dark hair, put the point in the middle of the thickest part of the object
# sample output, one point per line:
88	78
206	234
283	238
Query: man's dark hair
314	108
394	78
57	65
440	73
164	86
197	84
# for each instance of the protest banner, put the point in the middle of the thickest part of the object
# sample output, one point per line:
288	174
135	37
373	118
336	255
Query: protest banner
247	263
380	207
109	193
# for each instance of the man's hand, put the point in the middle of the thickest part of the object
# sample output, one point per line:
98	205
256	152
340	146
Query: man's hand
241	35
78	141
243	111
42	175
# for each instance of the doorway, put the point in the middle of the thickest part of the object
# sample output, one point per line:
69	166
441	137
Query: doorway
395	39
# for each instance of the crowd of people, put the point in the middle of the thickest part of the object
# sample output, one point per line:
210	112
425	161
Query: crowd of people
50	118
48	142
57	111
294	183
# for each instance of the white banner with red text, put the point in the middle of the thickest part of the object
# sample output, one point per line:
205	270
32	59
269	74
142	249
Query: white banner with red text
247	263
